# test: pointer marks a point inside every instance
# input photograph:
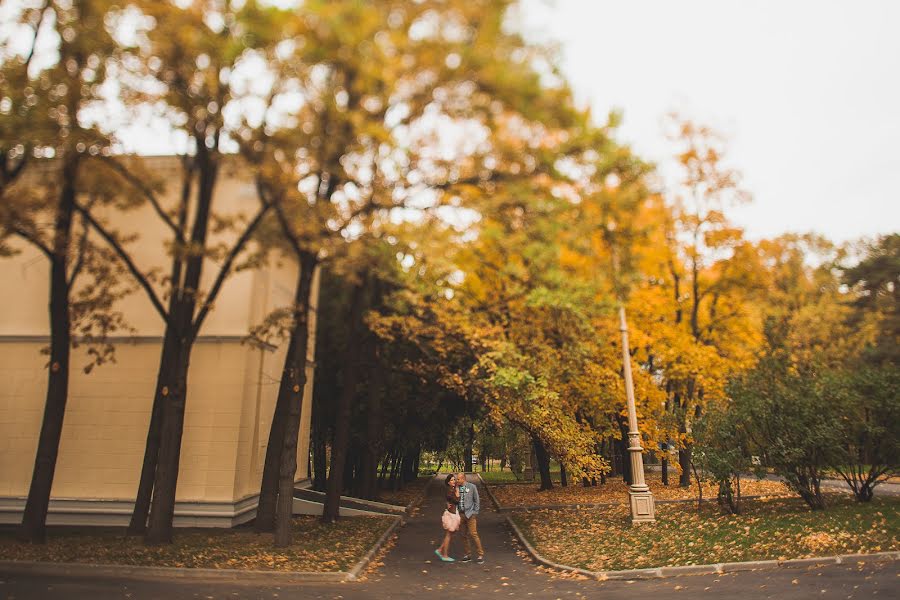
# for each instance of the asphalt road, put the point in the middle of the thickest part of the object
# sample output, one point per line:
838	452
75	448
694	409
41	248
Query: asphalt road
411	570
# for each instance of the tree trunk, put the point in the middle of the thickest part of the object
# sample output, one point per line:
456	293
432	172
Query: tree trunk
330	511
469	450
289	401
268	490
563	480
664	468
320	459
616	459
543	461
141	511
348	487
369	466
626	461
627	476
685	456
397	473
138	524
162	507
386	461
287	467
34	519
699	486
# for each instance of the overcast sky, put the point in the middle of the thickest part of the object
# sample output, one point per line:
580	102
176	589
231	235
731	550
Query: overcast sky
806	91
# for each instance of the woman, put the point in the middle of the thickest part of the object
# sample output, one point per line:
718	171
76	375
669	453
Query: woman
450	518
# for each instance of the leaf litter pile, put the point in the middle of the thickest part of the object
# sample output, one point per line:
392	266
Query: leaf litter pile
616	491
603	539
317	547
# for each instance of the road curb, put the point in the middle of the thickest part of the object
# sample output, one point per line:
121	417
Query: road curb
710	569
490	494
129	572
360	566
534	553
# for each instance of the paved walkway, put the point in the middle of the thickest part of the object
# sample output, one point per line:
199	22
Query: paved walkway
839	485
411	570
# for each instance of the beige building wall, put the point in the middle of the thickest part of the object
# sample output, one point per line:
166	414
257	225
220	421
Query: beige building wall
232	386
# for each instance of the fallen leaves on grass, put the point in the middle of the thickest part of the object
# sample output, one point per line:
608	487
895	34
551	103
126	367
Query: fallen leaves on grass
600	539
615	490
317	547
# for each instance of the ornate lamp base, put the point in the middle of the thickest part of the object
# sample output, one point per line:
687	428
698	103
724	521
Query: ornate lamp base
642	507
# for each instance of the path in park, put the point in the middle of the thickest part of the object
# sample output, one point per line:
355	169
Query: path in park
411	570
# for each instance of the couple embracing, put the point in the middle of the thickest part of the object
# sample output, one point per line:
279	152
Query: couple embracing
461	514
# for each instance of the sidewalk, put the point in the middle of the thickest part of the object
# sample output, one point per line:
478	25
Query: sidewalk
839	485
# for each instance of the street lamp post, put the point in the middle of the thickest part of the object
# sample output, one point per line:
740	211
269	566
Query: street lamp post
641	499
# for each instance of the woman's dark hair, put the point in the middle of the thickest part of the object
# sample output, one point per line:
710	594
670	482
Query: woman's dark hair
447	480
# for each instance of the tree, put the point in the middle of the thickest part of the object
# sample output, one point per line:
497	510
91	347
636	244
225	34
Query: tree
710	337
789	417
723	453
869	449
193	52
875	283
48	161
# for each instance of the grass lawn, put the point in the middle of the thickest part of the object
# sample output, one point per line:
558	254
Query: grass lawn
603	539
615	490
317	547
509	477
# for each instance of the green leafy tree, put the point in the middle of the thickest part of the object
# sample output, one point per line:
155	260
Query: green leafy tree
875	283
866	422
723	454
789	419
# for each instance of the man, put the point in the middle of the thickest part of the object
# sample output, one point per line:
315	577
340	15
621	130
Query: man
469	505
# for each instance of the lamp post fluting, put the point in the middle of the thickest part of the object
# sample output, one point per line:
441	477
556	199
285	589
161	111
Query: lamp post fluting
641	499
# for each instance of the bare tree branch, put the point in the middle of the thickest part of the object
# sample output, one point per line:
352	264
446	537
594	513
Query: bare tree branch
123	255
10	174
146	192
32	239
37	30
226	268
283	221
82	245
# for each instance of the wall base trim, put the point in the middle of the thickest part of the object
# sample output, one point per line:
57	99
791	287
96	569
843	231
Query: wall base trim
117	513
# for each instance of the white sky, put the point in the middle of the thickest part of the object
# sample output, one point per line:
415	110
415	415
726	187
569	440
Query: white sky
807	93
